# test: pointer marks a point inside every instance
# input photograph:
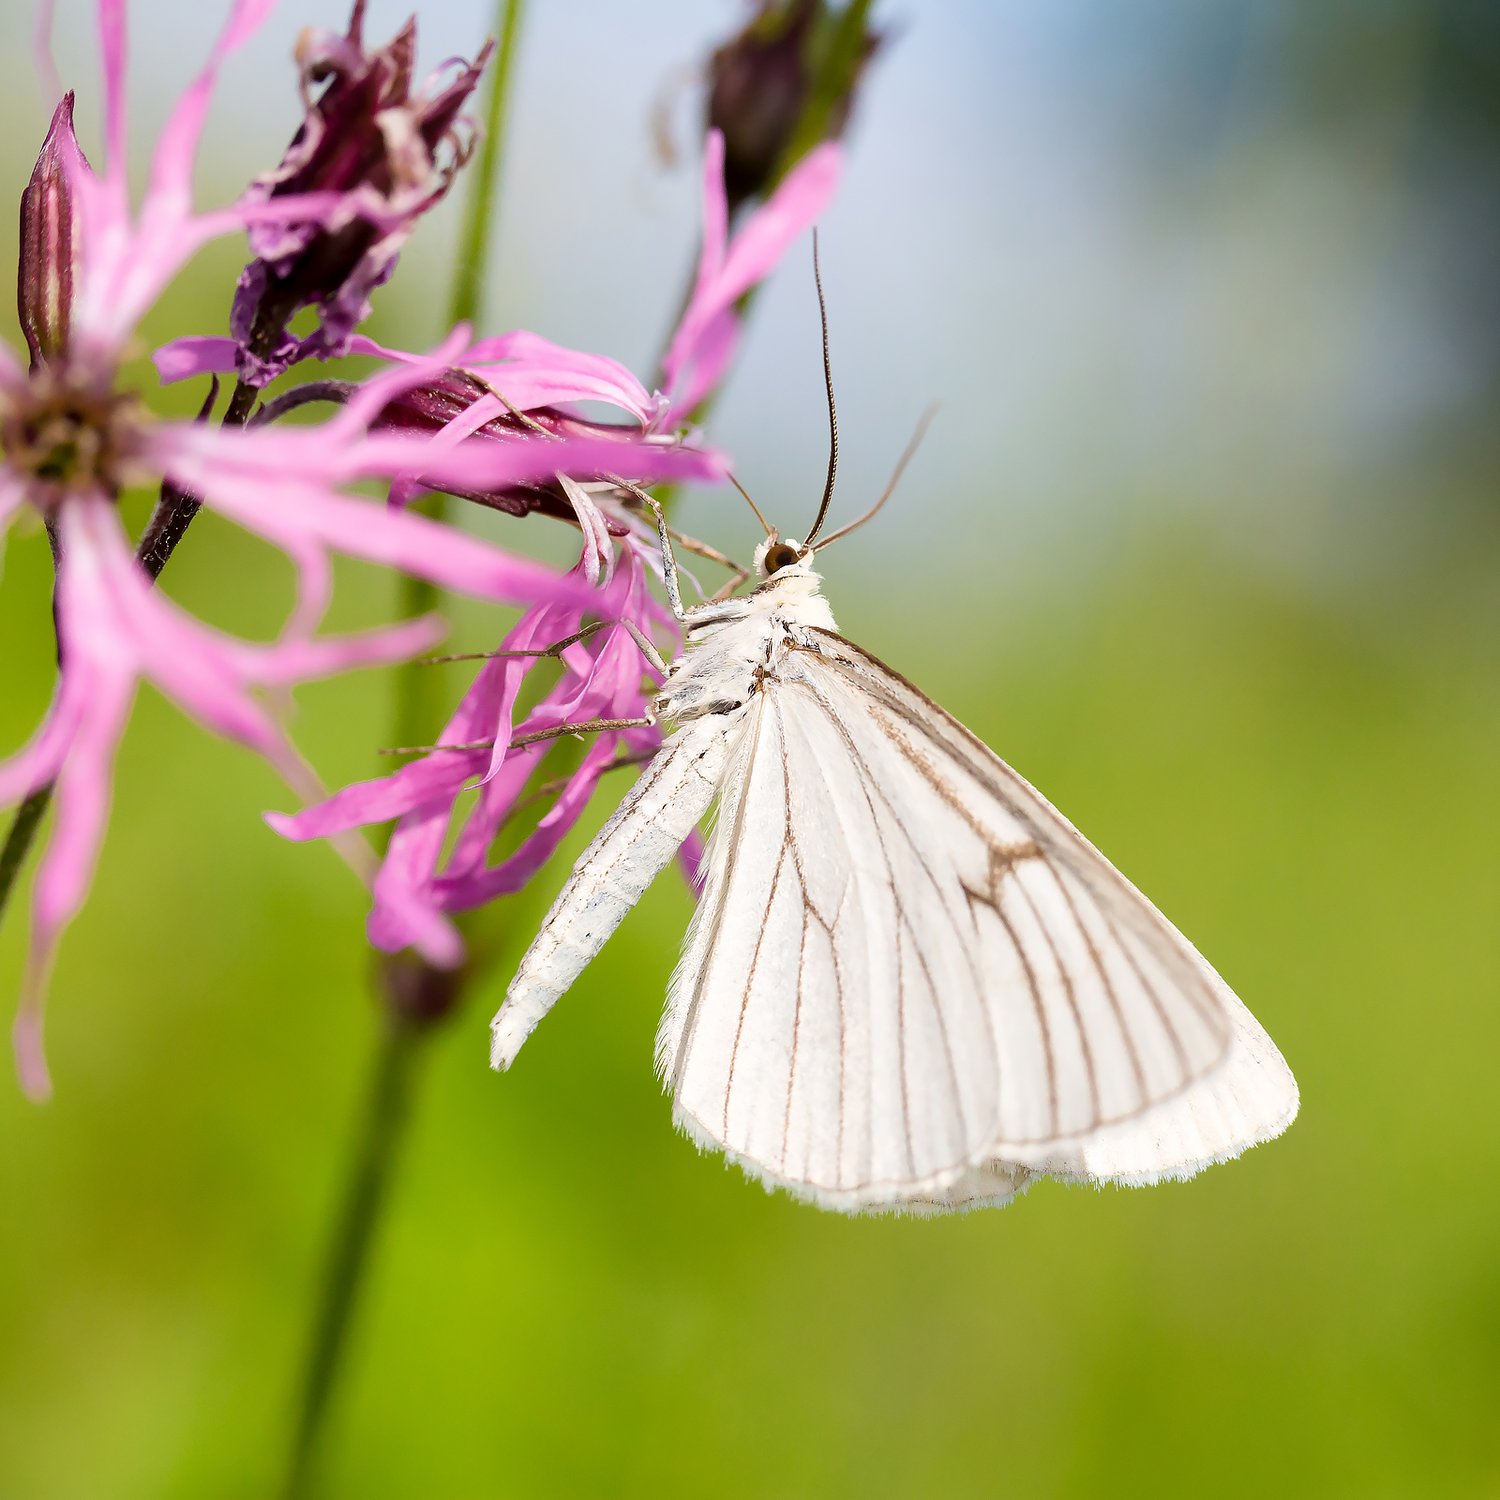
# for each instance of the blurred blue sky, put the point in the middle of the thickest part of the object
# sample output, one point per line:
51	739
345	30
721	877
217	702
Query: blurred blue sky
1144	265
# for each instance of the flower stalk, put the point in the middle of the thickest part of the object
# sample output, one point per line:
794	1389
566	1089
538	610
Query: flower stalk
386	1108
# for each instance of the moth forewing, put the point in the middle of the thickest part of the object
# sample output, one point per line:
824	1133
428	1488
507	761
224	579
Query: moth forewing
910	983
645	831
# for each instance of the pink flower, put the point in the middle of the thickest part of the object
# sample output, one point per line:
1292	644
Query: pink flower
73	440
708	333
522	372
601	678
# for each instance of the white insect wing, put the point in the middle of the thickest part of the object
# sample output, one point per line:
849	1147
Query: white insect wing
910	983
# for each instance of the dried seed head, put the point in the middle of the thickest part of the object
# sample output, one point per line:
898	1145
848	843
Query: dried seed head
390	149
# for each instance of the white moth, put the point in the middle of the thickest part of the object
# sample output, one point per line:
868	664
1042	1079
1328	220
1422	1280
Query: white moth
910	983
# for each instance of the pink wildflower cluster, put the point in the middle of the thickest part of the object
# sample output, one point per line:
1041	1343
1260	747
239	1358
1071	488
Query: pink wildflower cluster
601	679
495	420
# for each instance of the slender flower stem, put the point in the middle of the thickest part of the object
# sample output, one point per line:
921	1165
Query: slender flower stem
23	830
385	1112
414	998
474	241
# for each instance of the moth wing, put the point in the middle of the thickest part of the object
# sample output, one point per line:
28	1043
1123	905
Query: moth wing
626	855
911	982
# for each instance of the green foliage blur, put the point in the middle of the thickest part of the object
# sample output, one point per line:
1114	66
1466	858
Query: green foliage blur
567	1300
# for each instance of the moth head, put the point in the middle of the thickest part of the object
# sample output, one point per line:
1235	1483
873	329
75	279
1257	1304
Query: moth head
777	553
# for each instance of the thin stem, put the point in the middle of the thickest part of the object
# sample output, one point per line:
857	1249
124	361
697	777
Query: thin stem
176	508
385	1112
23	829
467	301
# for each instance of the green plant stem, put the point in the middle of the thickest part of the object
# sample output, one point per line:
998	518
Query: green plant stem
23	830
467	301
385	1112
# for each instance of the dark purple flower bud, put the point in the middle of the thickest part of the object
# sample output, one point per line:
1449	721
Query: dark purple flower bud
390	150
429	409
50	245
783	85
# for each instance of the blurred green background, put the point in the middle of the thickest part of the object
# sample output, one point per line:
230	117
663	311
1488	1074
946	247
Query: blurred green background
1205	542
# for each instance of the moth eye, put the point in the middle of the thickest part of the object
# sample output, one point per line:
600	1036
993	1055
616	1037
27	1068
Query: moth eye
780	556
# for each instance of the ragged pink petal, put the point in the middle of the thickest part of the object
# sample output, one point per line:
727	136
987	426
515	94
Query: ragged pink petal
169	188
358	528
181	359
305	660
81	809
181	656
727	271
789	212
439	774
514	873
404	914
112	56
38	761
530	371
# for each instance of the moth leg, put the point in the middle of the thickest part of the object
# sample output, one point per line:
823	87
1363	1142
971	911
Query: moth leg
668	562
647	648
584	726
555	649
664	536
659	812
702	549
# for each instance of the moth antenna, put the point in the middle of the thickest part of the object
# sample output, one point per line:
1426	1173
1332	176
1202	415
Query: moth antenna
923	423
770	530
833	414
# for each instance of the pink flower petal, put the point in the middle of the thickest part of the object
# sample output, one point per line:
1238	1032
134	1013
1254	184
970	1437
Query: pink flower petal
300	660
726	273
169	190
514	873
412	370
713	349
81	803
789	212
531	371
38	761
112	55
437	776
715	219
182	657
183	358
404	914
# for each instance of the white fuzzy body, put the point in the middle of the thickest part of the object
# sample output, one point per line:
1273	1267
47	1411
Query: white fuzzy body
910	983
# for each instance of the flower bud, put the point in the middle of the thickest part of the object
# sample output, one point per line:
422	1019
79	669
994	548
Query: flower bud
389	150
50	245
429	409
784	84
